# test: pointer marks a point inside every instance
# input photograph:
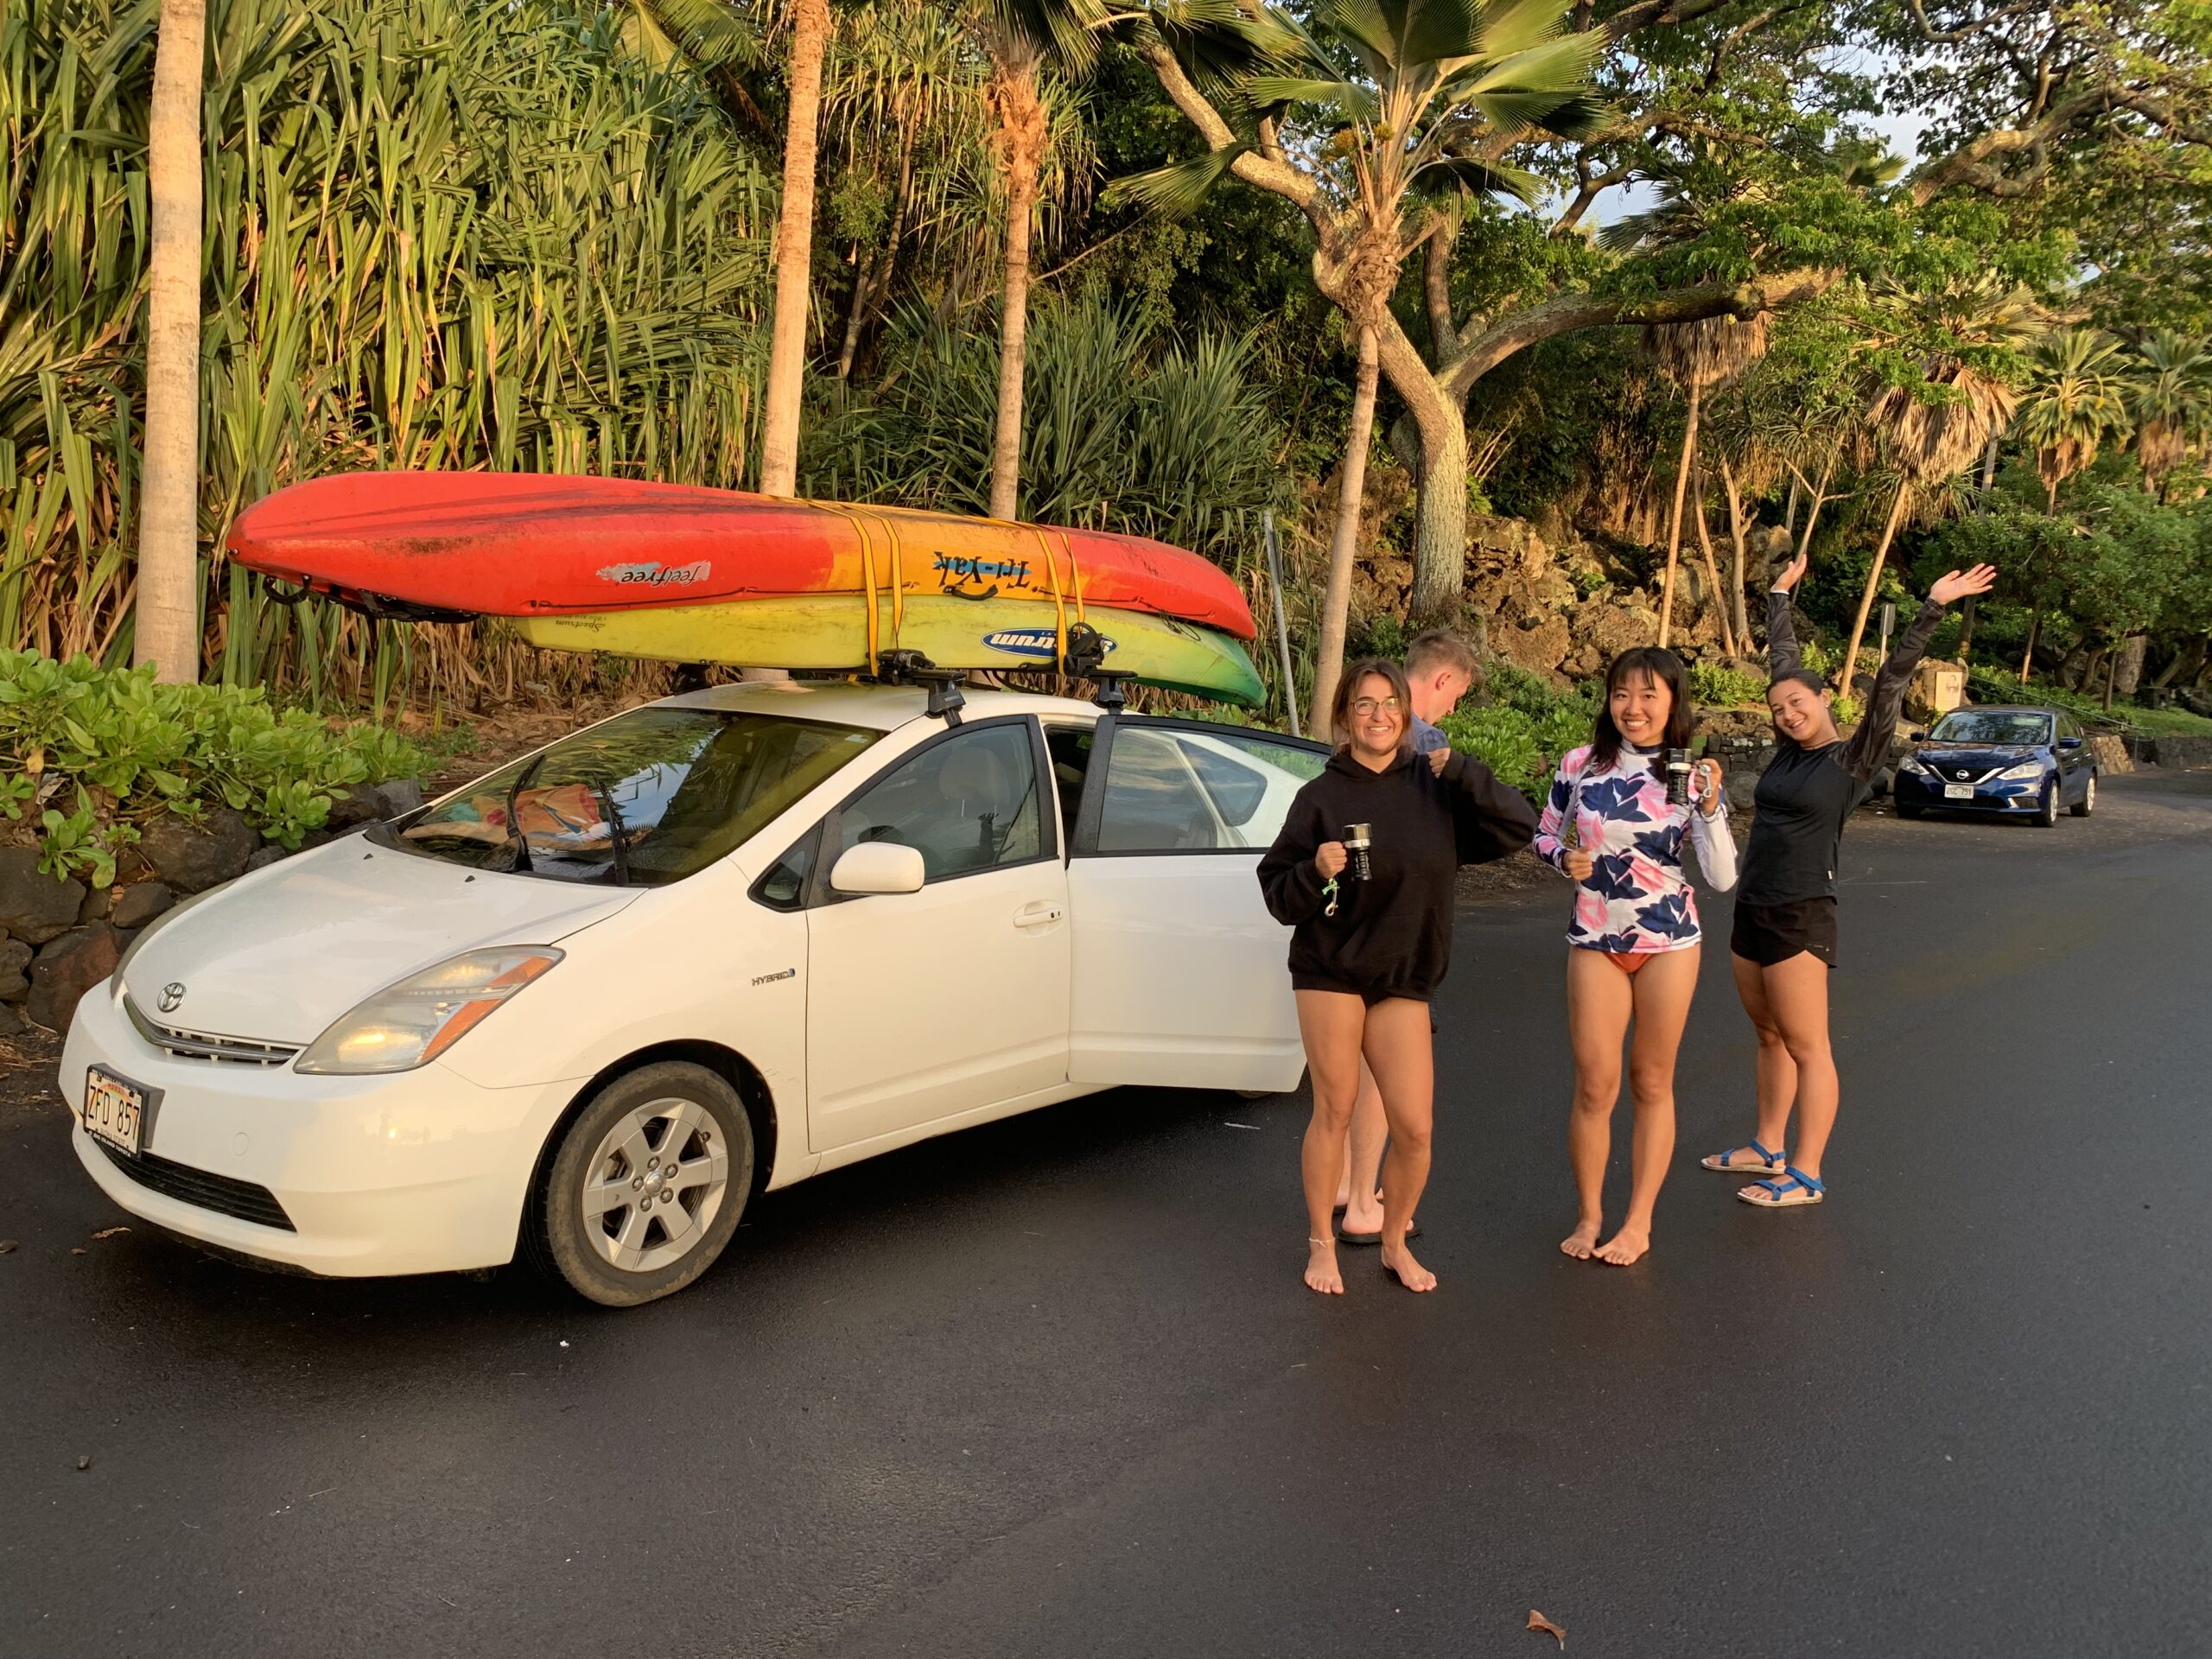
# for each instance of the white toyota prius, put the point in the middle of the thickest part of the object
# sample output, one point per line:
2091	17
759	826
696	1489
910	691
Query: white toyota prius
586	1007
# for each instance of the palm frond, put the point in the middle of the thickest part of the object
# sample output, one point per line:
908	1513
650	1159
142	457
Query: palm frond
1177	190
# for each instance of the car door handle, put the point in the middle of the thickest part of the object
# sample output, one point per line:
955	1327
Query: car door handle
1038	915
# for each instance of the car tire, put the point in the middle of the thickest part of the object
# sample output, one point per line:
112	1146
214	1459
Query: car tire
2088	804
2047	805
607	1221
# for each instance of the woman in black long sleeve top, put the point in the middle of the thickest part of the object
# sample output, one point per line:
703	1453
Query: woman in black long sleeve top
1366	955
1782	943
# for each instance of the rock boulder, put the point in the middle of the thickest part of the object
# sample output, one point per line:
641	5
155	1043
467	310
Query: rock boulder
68	966
36	906
140	903
191	857
15	971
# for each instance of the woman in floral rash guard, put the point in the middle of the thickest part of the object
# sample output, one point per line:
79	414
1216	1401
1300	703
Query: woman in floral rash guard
1633	943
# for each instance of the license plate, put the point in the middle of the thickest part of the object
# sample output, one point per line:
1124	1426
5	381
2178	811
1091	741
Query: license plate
1958	792
116	1111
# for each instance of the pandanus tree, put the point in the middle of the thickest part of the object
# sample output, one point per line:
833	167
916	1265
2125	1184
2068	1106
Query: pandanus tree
167	610
1398	107
1921	433
2170	403
1699	356
2077	396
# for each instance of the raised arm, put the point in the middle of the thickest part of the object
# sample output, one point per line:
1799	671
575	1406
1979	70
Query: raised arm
1782	654
1870	744
1709	832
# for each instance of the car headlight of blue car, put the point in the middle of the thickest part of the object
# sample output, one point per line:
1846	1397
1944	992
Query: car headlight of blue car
2026	771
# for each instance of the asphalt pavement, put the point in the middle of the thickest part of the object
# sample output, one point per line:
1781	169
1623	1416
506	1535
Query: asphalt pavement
1053	1387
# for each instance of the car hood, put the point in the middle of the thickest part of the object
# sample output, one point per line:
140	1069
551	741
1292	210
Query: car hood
1977	755
282	953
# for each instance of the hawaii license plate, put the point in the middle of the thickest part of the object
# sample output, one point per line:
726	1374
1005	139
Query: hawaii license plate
1958	792
116	1111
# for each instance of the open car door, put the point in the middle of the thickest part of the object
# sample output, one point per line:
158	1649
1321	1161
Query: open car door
1179	973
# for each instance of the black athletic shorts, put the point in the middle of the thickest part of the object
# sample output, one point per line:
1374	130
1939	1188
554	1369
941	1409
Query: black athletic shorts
1315	982
1767	934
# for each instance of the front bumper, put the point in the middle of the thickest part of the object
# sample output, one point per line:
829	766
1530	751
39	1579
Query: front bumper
2021	795
418	1172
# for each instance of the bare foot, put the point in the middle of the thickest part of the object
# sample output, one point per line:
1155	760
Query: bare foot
1365	1217
1321	1272
1409	1272
1581	1243
1626	1246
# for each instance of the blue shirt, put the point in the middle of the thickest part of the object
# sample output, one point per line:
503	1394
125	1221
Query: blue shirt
1427	738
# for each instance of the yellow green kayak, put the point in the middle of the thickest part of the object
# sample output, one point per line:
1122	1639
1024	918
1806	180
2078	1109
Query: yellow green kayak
831	632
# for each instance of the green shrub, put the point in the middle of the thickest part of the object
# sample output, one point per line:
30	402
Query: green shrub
95	753
1725	688
1521	735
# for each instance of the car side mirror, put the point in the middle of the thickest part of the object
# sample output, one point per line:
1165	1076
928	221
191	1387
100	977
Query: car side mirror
1917	737
2069	742
877	867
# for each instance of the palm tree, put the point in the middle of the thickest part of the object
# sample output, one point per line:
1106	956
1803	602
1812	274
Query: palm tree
1020	38
168	608
1926	433
2170	403
2078	395
1414	94
794	251
1708	352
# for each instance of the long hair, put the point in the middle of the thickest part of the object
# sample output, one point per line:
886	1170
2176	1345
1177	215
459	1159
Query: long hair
1653	663
1340	707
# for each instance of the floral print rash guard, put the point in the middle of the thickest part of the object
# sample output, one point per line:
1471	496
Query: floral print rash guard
1637	901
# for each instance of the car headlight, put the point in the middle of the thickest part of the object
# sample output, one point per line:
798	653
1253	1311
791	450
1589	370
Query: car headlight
1912	765
412	1022
2025	769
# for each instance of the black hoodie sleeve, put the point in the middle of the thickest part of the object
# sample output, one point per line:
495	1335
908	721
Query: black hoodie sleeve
1288	881
1491	821
1870	744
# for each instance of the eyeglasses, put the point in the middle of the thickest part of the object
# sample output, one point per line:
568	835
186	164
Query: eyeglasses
1366	708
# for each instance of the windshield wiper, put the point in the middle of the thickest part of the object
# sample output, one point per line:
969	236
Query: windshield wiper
614	836
516	839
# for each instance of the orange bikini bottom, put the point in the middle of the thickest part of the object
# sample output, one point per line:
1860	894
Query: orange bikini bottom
1627	960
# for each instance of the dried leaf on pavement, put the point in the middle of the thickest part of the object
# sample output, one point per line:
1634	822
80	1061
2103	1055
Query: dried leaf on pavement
79	1250
109	1232
6	1245
1538	1622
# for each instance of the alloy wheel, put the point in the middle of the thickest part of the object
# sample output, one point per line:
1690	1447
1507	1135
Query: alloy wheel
653	1187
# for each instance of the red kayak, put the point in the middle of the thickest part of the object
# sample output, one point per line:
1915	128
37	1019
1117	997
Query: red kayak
538	544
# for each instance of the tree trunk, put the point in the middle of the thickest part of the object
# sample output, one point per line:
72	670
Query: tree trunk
167	616
1867	599
1343	545
1736	535
1813	514
2035	627
1713	573
1675	519
2129	659
794	254
2112	672
1014	337
1440	522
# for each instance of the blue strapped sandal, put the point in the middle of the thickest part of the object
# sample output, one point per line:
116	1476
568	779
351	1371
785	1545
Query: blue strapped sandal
1771	1163
1796	1188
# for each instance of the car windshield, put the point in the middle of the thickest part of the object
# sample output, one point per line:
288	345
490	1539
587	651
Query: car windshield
643	799
1991	726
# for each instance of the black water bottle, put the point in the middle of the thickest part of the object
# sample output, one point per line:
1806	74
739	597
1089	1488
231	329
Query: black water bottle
1357	840
1678	777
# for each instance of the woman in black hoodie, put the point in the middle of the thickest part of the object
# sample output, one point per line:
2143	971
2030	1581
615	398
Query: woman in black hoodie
1370	946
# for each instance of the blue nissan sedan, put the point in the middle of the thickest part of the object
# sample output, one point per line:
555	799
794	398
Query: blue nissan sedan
2023	763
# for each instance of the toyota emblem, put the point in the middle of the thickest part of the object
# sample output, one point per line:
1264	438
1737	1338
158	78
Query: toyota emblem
172	994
